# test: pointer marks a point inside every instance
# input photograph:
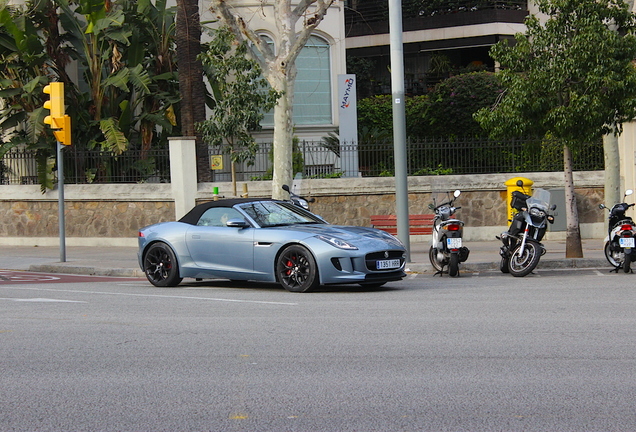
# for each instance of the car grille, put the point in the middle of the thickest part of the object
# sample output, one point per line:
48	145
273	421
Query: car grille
372	259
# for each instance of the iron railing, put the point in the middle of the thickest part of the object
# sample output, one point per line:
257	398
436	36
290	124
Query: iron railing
424	157
320	160
366	11
20	166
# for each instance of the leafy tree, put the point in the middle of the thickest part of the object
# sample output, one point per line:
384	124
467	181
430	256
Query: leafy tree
294	24
241	97
376	112
570	78
128	92
454	101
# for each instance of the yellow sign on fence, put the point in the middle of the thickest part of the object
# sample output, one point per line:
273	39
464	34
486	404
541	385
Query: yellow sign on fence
216	162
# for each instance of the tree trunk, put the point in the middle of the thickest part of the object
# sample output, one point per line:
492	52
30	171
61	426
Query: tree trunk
283	137
612	170
191	86
573	245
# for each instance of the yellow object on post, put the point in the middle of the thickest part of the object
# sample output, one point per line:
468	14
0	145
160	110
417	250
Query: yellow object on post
511	186
57	119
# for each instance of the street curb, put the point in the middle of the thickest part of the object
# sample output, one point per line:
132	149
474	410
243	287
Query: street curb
547	264
90	271
413	268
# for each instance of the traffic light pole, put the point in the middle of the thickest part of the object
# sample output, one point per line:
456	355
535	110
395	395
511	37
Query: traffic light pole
60	201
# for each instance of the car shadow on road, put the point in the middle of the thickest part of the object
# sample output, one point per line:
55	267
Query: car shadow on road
224	283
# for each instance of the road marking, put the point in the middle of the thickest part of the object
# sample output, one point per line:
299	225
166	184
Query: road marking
154	296
43	300
598	272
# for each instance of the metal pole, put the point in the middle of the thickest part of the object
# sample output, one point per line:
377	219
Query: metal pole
60	201
399	124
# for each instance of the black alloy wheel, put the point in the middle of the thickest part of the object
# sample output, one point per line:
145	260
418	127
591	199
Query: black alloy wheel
160	266
296	269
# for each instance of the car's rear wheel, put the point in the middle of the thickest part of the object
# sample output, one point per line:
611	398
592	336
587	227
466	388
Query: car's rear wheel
296	269
160	266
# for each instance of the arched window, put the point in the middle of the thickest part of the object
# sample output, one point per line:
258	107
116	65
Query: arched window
312	91
312	96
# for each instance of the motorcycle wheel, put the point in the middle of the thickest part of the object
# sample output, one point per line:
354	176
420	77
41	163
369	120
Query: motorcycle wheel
432	255
453	266
521	266
610	257
503	265
627	263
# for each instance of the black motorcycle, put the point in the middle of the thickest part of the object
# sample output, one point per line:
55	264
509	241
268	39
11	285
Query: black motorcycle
522	245
619	243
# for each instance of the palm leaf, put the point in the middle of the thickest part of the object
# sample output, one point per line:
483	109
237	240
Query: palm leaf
115	139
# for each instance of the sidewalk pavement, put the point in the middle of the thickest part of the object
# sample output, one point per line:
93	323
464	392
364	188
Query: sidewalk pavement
122	261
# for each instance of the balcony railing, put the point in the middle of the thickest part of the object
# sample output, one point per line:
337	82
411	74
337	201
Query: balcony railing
378	10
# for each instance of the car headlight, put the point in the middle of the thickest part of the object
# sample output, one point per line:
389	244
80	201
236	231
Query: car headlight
337	242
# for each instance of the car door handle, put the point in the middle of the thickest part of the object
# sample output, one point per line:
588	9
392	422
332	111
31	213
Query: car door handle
196	237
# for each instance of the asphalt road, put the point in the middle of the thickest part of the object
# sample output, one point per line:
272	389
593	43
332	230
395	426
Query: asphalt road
554	351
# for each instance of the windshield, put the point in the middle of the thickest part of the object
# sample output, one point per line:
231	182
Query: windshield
540	198
275	213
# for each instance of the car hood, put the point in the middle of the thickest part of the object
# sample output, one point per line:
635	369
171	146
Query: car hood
359	236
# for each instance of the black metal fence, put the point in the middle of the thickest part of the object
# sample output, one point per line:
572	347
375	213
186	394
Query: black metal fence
319	160
424	157
20	166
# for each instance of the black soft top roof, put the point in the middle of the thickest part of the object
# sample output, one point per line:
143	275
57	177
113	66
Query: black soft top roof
193	216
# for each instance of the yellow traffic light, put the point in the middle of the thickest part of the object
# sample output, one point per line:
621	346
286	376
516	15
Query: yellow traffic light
55	104
62	129
57	119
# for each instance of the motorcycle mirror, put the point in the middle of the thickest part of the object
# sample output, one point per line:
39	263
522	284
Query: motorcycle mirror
628	192
519	183
286	188
553	207
457	193
601	206
431	206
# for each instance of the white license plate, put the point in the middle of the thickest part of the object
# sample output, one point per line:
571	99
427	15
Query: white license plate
626	242
388	264
454	242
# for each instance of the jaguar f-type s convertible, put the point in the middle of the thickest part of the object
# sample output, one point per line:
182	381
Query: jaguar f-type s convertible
267	240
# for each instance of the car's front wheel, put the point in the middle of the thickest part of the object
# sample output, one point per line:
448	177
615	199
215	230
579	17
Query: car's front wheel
296	269
160	266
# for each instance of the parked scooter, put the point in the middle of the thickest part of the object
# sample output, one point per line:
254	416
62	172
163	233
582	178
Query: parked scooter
522	245
446	242
619	243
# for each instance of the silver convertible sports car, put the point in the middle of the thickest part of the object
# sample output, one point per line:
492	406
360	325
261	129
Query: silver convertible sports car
267	240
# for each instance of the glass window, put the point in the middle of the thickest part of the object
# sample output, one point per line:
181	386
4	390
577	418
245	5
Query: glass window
312	91
218	216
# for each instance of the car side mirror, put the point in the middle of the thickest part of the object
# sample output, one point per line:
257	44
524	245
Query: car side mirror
237	223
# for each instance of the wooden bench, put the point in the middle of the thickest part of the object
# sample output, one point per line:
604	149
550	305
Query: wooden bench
419	224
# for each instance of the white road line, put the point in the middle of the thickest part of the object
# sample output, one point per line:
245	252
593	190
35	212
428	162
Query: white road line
43	300
14	287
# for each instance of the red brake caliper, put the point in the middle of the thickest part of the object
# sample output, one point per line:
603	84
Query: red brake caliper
289	267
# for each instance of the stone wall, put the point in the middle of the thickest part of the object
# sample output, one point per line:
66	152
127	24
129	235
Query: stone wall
96	214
